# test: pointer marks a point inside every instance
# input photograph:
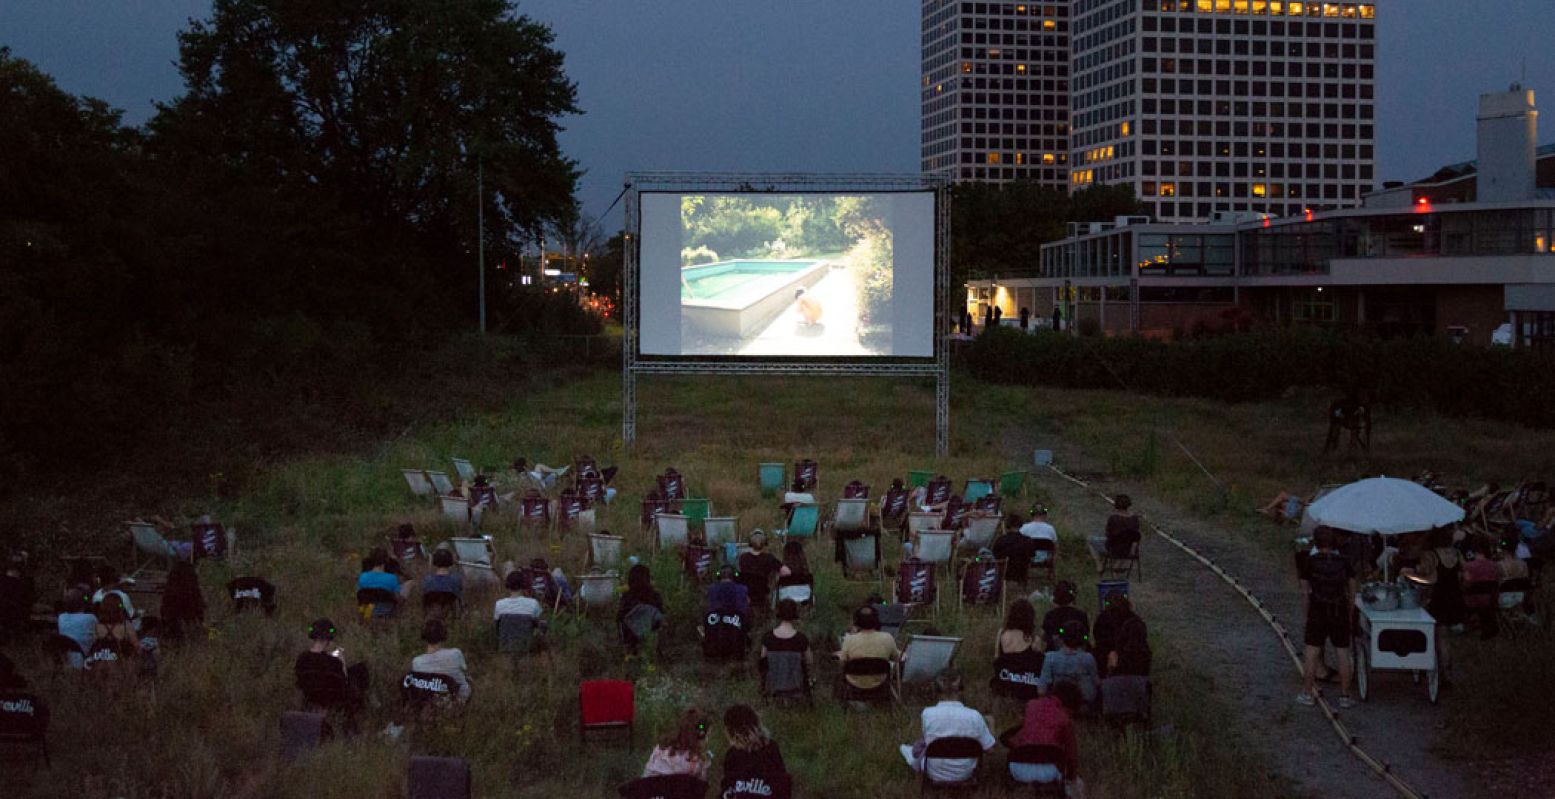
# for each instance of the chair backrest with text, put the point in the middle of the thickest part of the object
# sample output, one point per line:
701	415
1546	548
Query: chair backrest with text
915	582
425	688
756	786
807	473
893	505
855	490
210	540
535	509
671	485
939	490
982	583
24	719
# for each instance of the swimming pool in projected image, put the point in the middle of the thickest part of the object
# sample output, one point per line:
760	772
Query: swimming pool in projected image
736	298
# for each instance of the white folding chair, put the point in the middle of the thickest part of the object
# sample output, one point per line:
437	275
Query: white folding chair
441	482
934	546
147	540
671	530
455	508
418	482
721	530
979	532
605	551
596	590
472	551
859	555
850	514
924	659
585	522
465	470
918	522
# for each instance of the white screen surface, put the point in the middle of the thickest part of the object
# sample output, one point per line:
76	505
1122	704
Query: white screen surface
756	275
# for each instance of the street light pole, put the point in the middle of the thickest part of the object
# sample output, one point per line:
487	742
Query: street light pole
480	236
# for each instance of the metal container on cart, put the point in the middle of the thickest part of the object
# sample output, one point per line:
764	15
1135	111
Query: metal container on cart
1395	640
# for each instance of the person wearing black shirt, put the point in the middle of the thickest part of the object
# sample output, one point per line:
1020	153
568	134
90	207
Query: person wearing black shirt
319	659
752	755
1015	550
757	568
1065	616
17	593
639	592
1121	639
1122	528
1328	582
785	637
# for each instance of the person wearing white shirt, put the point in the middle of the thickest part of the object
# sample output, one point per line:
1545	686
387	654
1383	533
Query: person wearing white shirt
520	600
948	719
1038	527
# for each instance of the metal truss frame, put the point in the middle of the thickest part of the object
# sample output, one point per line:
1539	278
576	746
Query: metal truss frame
633	365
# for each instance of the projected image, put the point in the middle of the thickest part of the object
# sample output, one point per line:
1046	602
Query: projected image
786	275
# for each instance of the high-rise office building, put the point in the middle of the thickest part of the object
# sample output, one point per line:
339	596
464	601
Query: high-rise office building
996	91
1203	106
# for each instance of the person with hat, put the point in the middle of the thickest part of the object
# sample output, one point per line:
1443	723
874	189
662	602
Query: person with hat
321	658
757	568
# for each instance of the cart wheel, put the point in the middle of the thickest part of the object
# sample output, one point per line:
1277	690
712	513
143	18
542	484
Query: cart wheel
1361	667
1433	683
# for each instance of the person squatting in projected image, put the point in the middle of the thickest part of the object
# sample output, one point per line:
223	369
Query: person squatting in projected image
809	307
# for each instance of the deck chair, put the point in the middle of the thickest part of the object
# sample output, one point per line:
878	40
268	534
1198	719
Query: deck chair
591	488
1012	484
1016	676
803	519
455	508
534	511
939	490
606	706
807	474
302	732
956	512
892	617
893	508
855	490
772	477
437	778
866	667
672	486
924	659
915	585
979	532
982	583
785	677
515	634
976	490
405	550
418	482
850	514
934	546
799	589
698	563
149	551
477	552
465	470
764	786
1044	562
919	478
671	530
992	503
696	509
918	522
24	721
1109	566
719	530
569	506
861	553
596	590
652	507
951	748
211	540
678	786
440	482
605	551
248	593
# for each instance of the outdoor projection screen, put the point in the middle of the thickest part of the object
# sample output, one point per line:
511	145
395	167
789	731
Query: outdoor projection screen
763	275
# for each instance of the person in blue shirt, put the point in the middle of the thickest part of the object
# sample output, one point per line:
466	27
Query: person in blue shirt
376	575
443	577
79	624
726	595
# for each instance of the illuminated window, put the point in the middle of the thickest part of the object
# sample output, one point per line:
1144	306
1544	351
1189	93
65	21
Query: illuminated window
1123	129
1368	12
1222	6
1276	7
1047	158
966	67
1349	12
1296	8
1020	158
993	158
1206	6
1048	25
1242	6
1260	7
1260	190
1020	69
1168	189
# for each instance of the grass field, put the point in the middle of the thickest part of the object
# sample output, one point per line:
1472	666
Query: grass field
208	728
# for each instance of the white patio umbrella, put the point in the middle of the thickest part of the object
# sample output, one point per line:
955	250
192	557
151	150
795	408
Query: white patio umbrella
1381	506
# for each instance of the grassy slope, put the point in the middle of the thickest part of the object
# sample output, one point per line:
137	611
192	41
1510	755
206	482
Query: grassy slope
209	728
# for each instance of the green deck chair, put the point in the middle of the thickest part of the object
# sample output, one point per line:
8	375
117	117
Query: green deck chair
1012	484
773	479
976	490
920	478
803	521
695	509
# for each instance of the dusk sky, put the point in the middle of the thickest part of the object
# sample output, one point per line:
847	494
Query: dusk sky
802	85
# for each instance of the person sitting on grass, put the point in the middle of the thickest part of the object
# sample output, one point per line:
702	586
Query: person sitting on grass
1064	615
1328	583
865	641
642	609
443	578
437	660
1049	721
375	575
683	751
948	719
321	658
785	637
1285	508
752	755
1072	664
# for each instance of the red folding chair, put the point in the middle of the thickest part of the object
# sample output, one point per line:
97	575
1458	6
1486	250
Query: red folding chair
604	706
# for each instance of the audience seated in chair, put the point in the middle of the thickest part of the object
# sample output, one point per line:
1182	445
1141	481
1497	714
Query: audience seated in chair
251	592
855	490
183	606
444	587
1016	550
948	719
1038	528
758	568
375	576
521	600
753	763
1064	615
550	585
786	637
683	751
1072	664
539	475
728	596
107	582
438	660
1122	643
405	546
117	642
322	675
1122	534
1049	722
642	609
797	495
866	641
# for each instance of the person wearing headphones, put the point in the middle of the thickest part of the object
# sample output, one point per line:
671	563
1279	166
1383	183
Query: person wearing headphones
1064	616
1072	664
728	596
323	656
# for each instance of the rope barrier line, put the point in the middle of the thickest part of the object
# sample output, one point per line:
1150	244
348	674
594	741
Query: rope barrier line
1346	737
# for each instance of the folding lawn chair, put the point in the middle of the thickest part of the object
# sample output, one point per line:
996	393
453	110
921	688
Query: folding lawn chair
437	778
934	546
951	748
919	521
698	561
976	490
861	553
855	490
919	478
850	514
915	585
671	530
939	490
785	677
596	590
979	532
653	506
1012	484
418	482
24	720
210	540
893	508
799	589
455	508
569	507
696	509
763	786
302	732
807	474
422	691
1045	755
1109	566
515	633
406	550
924	659
440	482
248	593
772	478
149	550
465	470
1045	560
605	551
592	489
677	786
956	512
671	485
866	667
803	519
606	706
719	530
992	504
1016	675
534	511
476	552
982	583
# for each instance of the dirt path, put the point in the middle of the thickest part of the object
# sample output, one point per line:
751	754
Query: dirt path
1186	603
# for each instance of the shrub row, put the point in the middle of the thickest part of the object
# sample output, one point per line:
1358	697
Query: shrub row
1421	372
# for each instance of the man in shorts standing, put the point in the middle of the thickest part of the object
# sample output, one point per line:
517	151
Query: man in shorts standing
1328	583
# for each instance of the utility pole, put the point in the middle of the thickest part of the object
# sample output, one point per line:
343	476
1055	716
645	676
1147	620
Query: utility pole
480	235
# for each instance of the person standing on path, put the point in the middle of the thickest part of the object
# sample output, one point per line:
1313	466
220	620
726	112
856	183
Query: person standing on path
1328	583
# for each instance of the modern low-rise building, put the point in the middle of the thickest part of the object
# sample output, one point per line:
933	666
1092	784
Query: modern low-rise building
1462	253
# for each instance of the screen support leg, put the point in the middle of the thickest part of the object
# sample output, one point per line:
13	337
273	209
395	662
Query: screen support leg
628	408
942	413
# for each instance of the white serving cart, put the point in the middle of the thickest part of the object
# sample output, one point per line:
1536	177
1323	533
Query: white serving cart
1395	640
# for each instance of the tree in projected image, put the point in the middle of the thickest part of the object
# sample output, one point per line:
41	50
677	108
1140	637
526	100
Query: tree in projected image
721	228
